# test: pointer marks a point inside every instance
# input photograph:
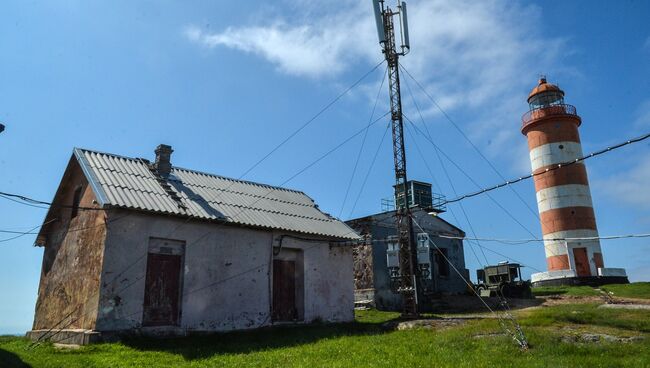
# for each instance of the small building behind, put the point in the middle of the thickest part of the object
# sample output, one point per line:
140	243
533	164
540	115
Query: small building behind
376	259
135	247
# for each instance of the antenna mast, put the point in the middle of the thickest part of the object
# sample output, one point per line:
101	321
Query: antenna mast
407	282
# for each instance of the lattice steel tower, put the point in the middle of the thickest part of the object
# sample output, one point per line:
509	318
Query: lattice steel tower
407	281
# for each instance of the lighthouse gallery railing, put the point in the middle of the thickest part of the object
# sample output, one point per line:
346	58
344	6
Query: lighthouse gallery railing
542	112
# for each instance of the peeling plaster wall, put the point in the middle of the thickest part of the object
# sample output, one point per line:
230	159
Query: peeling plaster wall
69	285
363	267
329	281
225	275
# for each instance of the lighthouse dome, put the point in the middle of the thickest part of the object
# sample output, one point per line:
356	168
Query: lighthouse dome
545	94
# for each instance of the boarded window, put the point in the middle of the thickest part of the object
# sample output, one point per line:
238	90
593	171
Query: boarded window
76	199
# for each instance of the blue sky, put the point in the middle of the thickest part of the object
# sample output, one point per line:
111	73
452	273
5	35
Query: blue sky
224	82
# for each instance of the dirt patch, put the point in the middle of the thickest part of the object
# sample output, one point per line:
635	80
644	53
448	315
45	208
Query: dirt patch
605	297
597	338
626	306
586	335
551	300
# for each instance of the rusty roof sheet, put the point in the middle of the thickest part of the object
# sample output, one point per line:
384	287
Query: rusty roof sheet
129	183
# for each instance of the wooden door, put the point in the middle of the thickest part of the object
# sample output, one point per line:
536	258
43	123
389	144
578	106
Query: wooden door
581	261
598	260
284	291
162	290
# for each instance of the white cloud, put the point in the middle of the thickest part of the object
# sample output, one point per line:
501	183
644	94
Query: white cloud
479	58
631	186
313	48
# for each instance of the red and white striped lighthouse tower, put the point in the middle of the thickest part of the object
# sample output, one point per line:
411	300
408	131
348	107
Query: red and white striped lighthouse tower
563	195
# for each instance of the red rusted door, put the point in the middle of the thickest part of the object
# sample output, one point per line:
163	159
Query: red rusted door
162	290
284	291
582	262
598	260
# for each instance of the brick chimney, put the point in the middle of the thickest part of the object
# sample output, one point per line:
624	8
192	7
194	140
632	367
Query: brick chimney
163	164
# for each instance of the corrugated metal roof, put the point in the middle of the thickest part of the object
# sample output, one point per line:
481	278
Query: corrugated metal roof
129	183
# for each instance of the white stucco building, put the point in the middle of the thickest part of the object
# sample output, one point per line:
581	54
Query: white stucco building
146	248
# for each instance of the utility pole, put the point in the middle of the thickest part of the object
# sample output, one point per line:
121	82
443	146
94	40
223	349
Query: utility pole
407	281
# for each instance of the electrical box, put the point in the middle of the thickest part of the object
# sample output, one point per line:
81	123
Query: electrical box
424	255
392	252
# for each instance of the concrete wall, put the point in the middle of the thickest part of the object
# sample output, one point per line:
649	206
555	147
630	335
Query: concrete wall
69	285
226	275
329	281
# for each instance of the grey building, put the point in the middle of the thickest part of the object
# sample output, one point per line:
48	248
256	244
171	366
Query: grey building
140	247
377	259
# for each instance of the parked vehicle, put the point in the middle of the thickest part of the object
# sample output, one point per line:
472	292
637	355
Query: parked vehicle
504	280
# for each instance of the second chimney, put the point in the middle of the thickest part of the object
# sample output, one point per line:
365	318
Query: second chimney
163	163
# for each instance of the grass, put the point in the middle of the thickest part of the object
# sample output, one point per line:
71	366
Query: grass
640	290
366	343
580	291
588	315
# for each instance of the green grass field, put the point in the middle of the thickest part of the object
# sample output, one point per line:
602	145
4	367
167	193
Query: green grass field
639	290
580	291
366	343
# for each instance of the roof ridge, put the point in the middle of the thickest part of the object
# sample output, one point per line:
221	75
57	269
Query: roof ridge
200	172
108	154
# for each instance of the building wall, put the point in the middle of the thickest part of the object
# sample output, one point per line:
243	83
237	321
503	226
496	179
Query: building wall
381	226
226	275
68	291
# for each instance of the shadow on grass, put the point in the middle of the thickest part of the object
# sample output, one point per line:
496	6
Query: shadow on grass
461	304
243	342
11	360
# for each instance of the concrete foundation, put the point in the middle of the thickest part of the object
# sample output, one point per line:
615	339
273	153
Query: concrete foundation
570	278
582	281
66	336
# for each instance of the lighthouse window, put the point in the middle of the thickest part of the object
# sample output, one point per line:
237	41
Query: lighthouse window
561	146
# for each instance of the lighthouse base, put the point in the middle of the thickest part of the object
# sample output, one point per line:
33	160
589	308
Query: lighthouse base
569	278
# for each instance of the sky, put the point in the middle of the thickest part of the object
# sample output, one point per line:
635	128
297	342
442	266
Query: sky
225	82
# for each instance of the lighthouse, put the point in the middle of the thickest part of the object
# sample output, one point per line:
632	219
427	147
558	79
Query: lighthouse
571	244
